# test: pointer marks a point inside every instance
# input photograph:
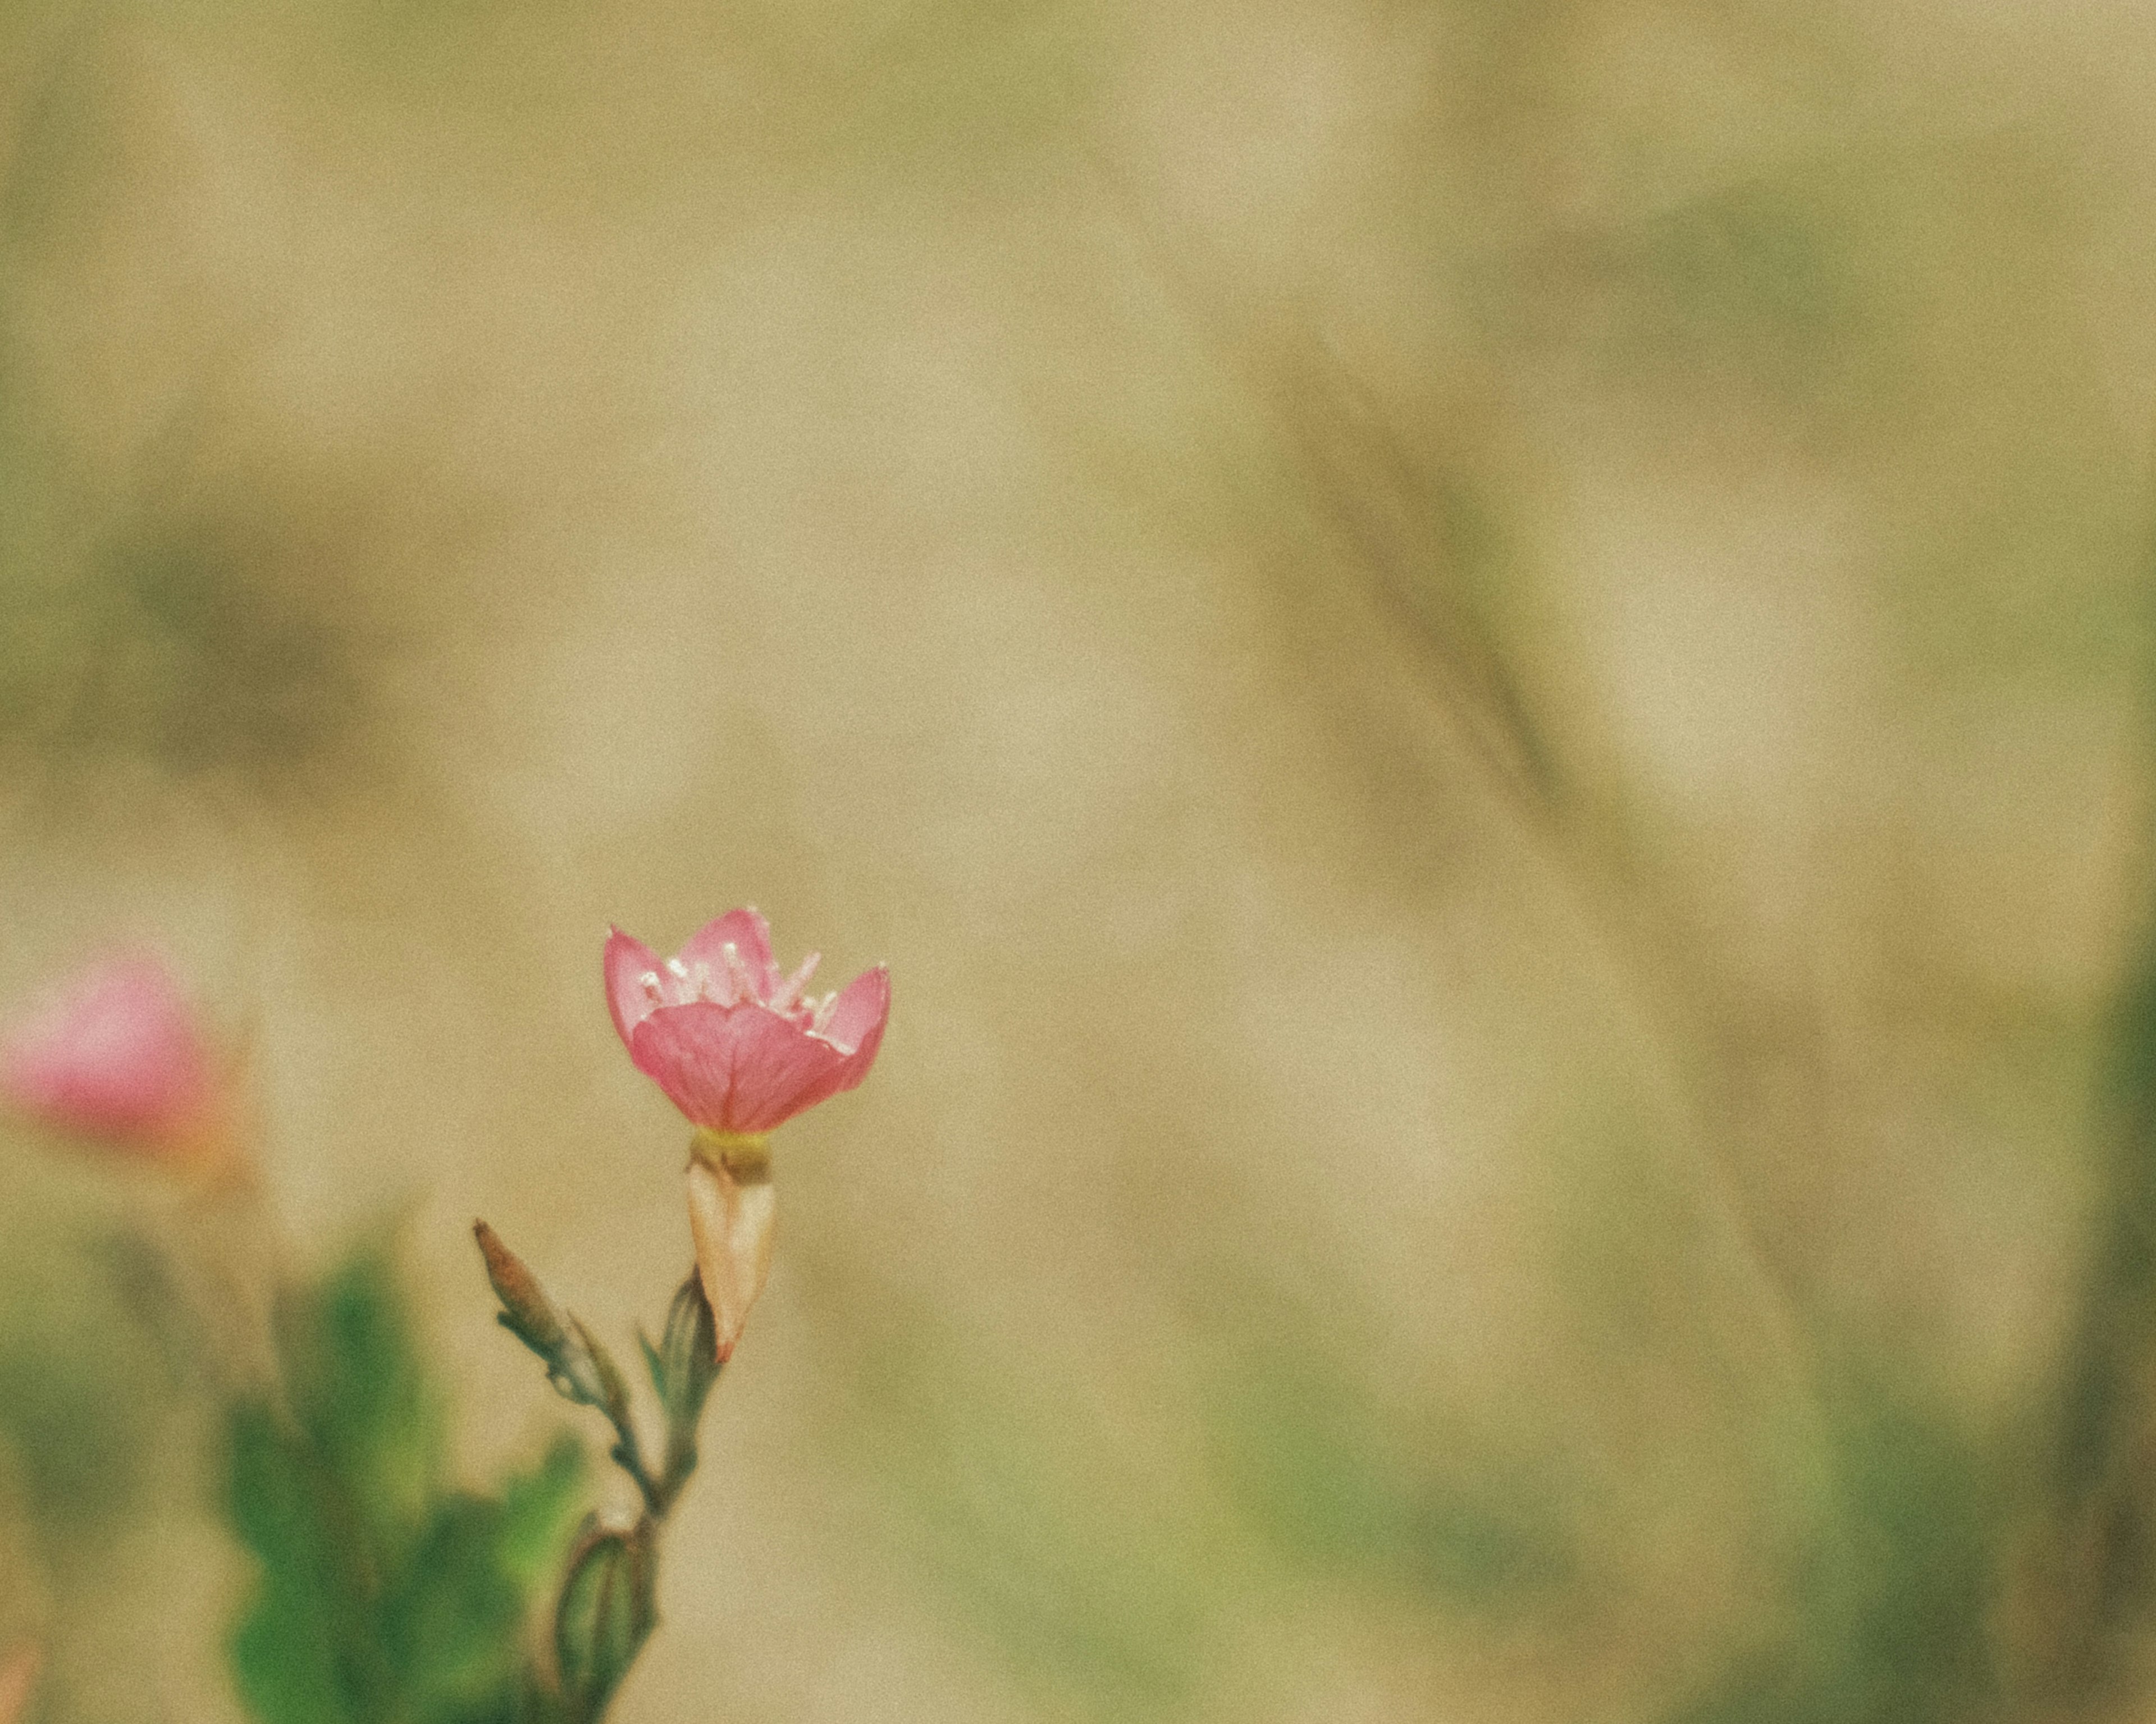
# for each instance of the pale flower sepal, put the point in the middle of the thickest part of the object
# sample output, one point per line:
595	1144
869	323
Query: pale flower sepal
733	1212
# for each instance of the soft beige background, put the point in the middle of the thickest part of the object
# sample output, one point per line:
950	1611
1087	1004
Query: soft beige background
1480	664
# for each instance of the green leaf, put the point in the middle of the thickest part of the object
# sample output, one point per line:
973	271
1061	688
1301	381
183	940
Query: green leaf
539	1511
451	1622
299	1655
453	1618
360	1390
383	1596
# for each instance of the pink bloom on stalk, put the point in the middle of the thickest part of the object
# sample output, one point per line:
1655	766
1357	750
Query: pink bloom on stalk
115	1054
18	1677
738	1047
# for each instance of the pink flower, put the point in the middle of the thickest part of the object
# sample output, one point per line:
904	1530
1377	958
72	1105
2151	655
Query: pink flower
737	1047
18	1677
115	1054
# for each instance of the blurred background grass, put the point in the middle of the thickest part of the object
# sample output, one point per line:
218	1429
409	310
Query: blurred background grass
1482	664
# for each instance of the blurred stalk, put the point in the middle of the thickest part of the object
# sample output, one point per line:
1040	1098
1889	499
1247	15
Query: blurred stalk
2088	1591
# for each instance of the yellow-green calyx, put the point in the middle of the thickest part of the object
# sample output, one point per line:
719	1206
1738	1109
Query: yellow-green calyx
744	1155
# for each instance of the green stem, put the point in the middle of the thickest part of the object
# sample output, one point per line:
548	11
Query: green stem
608	1605
628	1454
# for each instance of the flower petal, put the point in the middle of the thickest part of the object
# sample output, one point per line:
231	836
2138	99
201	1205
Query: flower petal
864	1009
859	1014
629	961
748	933
734	1069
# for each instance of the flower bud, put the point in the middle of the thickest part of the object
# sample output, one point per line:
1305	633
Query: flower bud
581	1371
684	1367
732	1209
540	1324
607	1612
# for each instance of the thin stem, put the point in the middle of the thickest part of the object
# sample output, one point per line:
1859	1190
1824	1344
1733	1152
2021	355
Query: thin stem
608	1605
628	1454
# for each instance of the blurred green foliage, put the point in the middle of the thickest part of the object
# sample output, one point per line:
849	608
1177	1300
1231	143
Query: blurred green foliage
99	1442
2104	1515
1363	1495
1894	1594
81	1397
383	1593
1095	1589
149	609
84	1391
184	635
162	644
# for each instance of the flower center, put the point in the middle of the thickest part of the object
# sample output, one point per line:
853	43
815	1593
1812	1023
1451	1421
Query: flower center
734	983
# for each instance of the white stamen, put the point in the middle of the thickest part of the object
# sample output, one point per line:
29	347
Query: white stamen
821	1021
703	985
678	967
789	991
746	986
649	981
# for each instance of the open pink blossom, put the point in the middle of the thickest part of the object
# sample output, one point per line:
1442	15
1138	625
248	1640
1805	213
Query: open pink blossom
115	1054
738	1047
19	1676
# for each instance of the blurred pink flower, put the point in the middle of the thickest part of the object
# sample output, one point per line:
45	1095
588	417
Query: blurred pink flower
115	1054
18	1677
737	1047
